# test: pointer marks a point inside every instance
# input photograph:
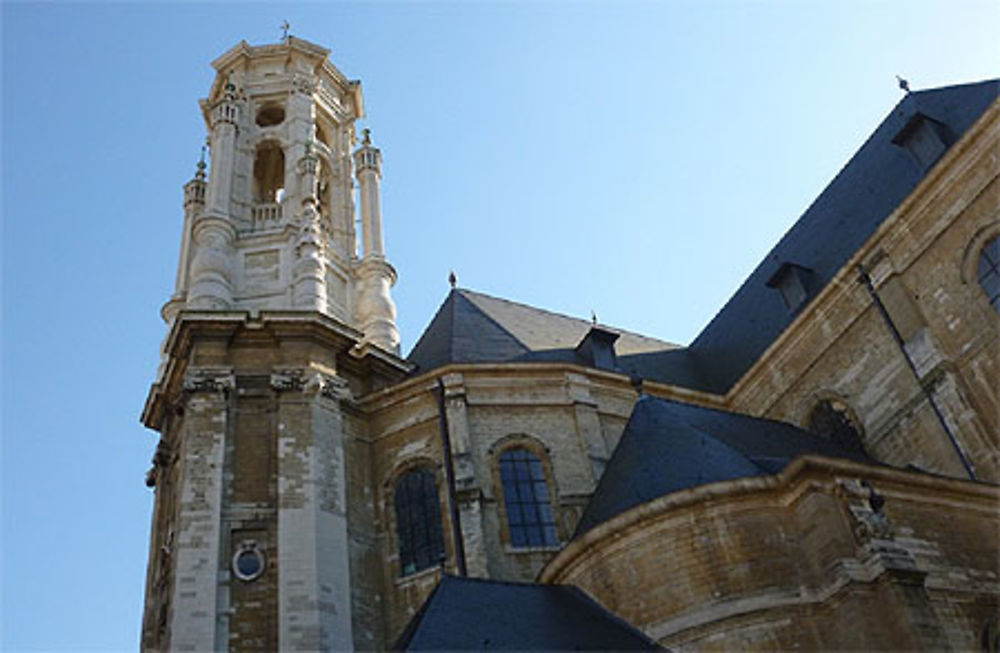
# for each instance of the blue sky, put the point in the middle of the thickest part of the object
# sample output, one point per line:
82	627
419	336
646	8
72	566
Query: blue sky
635	159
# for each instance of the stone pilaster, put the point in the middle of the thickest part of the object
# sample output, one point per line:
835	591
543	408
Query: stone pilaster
314	594
470	508
588	424
965	424
196	619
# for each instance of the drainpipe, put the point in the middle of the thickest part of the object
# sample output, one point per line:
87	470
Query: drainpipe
449	473
865	279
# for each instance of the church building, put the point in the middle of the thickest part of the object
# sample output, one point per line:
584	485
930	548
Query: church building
817	469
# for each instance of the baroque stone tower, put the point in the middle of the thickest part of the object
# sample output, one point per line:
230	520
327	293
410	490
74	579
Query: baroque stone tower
273	226
279	320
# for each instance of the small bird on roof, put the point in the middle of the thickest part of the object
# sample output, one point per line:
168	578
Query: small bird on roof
903	84
452	279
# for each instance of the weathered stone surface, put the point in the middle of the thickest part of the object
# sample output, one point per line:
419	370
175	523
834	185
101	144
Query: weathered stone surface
286	421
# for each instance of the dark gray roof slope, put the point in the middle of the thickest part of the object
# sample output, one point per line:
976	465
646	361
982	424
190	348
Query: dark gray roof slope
471	327
466	614
669	446
872	184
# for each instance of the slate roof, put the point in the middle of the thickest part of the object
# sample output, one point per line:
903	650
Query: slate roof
865	192
471	327
467	614
669	446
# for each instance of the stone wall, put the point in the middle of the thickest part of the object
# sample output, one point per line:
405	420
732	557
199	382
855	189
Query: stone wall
922	263
570	417
267	446
828	554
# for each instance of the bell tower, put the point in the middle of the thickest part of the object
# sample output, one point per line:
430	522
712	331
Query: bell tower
279	321
273	226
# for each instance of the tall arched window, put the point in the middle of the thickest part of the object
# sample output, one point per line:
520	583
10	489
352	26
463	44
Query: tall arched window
831	419
988	271
269	173
418	521
526	498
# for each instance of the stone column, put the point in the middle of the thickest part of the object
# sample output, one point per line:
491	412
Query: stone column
310	268
376	312
314	593
211	273
368	169
195	621
225	116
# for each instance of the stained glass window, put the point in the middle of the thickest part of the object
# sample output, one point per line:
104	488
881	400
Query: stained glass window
418	522
526	498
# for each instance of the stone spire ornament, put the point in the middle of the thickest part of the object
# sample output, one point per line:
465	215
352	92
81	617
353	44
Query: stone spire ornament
376	310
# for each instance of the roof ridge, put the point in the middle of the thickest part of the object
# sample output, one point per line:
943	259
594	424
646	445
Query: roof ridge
564	316
932	89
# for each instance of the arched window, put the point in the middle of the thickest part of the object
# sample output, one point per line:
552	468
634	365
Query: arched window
418	521
268	173
526	498
831	419
988	272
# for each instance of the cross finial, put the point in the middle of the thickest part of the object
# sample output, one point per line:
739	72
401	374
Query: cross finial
284	31
452	279
903	84
593	316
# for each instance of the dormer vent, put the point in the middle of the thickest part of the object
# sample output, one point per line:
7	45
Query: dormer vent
792	281
924	138
598	348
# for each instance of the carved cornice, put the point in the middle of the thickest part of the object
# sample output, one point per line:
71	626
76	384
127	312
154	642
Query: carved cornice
270	327
304	84
311	381
209	380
